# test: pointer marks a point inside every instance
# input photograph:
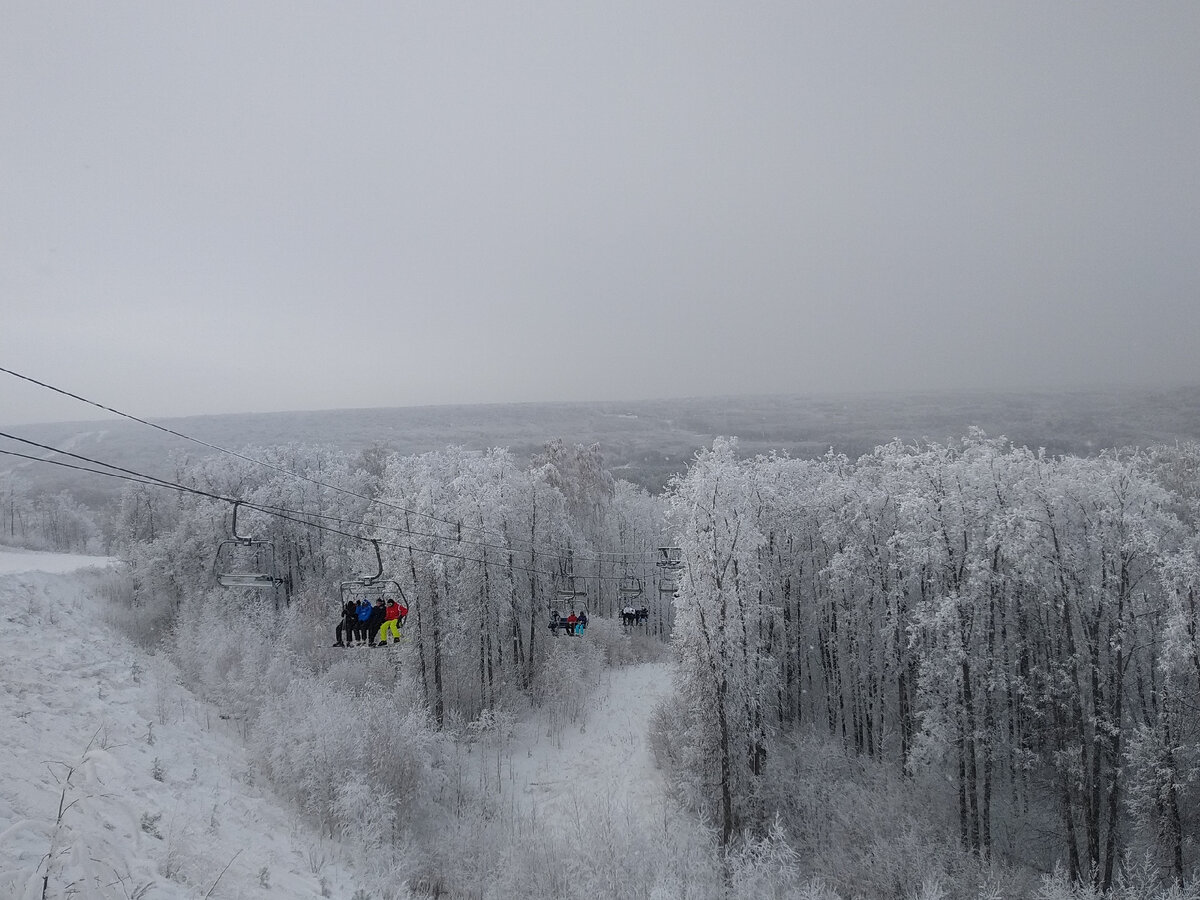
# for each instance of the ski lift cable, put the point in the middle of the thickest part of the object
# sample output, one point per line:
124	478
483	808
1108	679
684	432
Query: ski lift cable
279	469
150	481
142	478
276	511
67	465
283	471
118	471
221	449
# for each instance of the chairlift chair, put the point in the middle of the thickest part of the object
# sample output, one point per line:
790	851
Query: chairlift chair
370	591
631	588
566	601
230	564
370	587
569	599
670	558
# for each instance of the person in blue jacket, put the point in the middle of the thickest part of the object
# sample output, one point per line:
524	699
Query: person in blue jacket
362	612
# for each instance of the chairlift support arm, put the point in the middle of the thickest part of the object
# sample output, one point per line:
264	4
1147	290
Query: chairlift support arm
370	579
240	538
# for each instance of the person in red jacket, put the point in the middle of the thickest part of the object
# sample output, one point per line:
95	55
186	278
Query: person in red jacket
391	623
572	619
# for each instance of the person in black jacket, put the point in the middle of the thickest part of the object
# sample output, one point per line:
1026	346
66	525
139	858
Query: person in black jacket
348	625
375	622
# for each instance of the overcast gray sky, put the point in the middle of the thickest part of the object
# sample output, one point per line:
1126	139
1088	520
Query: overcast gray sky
216	206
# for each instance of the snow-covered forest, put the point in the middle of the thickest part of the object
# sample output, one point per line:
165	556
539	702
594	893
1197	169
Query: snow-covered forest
964	670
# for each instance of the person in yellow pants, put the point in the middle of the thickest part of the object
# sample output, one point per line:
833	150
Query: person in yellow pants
391	623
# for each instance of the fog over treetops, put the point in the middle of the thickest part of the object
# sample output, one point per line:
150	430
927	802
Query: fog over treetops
644	442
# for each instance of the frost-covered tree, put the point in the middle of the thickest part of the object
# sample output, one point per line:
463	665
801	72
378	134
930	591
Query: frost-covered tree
723	629
45	521
485	544
1016	628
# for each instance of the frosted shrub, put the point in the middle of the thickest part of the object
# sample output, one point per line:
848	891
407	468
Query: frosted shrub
765	867
115	587
1139	878
142	616
536	869
666	732
80	859
150	824
306	630
862	828
312	737
565	681
363	766
365	816
608	851
227	650
611	640
684	744
615	852
1163	779
647	648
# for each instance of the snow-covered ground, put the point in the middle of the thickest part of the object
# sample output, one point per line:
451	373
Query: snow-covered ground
116	782
17	561
605	757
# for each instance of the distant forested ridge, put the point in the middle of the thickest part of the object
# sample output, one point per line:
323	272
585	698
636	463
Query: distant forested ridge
644	442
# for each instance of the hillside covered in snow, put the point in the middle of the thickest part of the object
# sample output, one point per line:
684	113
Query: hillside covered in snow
117	781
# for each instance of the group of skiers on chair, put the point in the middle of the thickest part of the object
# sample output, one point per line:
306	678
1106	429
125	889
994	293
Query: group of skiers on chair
572	624
363	623
634	615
